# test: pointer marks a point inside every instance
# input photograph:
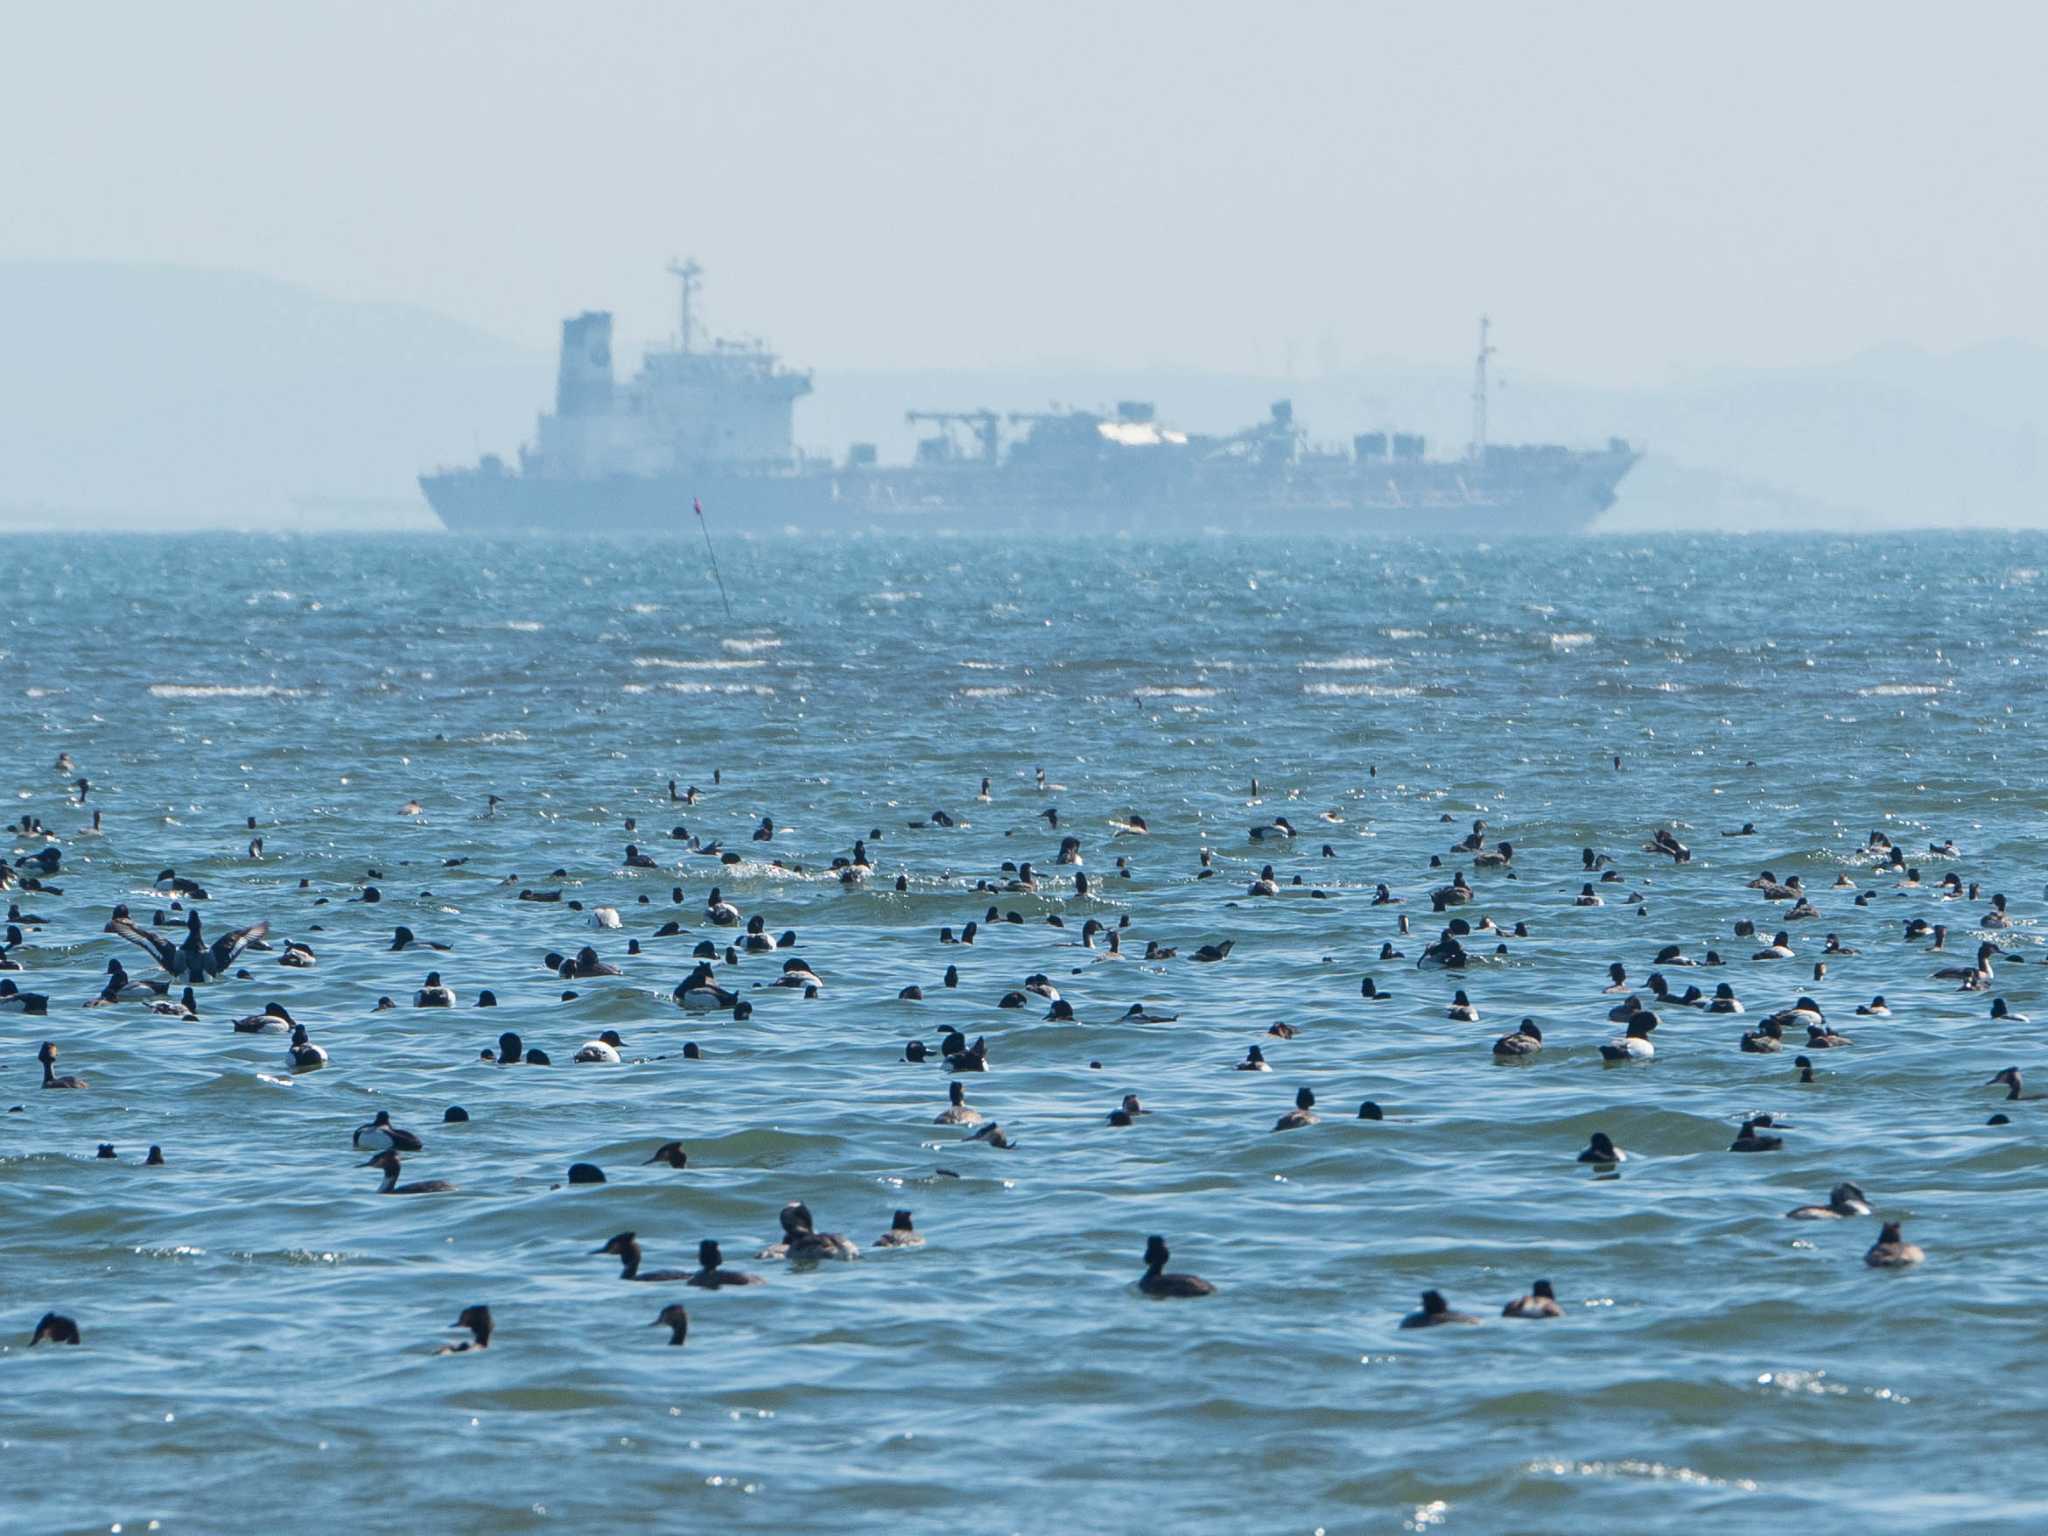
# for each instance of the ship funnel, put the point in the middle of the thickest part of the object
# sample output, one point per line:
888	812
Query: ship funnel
583	382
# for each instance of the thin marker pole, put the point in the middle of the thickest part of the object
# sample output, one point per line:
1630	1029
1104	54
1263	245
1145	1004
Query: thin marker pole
697	505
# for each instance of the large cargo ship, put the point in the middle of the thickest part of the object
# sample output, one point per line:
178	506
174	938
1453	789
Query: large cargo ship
715	421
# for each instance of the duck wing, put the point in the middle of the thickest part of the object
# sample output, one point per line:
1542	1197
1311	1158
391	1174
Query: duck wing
160	949
229	945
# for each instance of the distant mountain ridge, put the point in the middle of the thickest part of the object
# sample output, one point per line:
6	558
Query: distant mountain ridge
160	396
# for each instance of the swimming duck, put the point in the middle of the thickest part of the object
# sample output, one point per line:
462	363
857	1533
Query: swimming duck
1805	1066
14	1000
1891	1250
1820	1038
675	1317
1139	1013
996	1137
302	1055
1525	1042
1498	857
1874	1009
433	994
1301	1115
1635	1045
185	1008
795	973
299	956
1766	1038
478	1321
712	1275
586	964
275	1019
719	912
55	1328
958	1111
1462	1009
802	1243
1626	1009
1750	1139
1617	979
1664	997
404	938
1845	1199
1780	948
2003	1014
194	960
1588	897
1800	1015
1370	991
388	1161
1156	1282
1971	976
901	1234
670	1153
1209	954
973	1058
123	988
1265	885
380	1135
1435	1312
603	1051
1278	829
1540	1302
1254	1061
700	994
626	1248
1602	1150
47	1055
2012	1081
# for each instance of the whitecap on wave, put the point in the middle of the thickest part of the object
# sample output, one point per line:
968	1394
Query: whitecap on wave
716	664
1357	691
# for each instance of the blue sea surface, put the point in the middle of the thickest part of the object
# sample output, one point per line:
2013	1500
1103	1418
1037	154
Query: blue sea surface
259	1324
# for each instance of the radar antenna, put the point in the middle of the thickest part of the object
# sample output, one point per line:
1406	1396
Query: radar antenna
687	272
1479	392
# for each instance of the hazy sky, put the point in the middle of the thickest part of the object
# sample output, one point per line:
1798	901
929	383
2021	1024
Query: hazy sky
1631	190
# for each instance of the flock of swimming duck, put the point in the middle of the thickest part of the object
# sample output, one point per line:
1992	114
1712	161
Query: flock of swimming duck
181	959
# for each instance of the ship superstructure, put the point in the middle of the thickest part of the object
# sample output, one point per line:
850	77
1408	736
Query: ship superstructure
716	419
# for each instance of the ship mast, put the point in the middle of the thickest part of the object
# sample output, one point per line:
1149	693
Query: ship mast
1479	392
688	273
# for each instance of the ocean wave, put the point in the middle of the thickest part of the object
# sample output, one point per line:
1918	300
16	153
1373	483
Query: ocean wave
1571	640
1403	634
1349	664
750	647
1357	691
1006	691
1901	691
524	626
1174	692
753	688
224	691
716	664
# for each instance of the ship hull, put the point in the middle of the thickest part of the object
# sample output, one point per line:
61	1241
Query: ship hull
1563	495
